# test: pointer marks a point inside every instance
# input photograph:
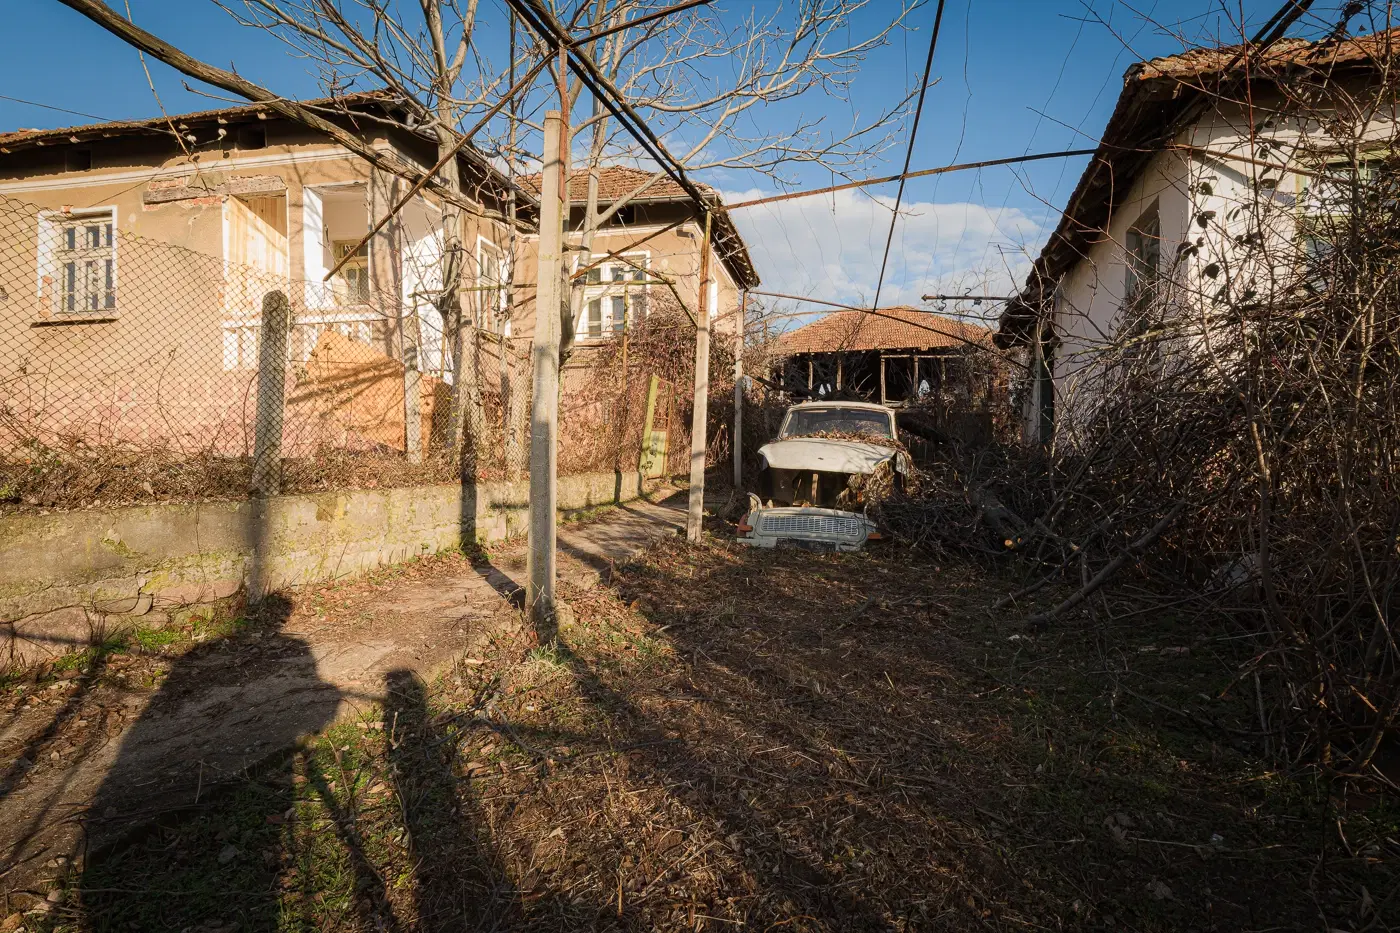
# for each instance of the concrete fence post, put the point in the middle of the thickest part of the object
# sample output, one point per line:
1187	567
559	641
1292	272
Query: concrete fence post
738	441
272	395
412	388
699	422
544	415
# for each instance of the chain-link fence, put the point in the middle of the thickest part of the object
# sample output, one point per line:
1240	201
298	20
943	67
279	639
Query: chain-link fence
133	369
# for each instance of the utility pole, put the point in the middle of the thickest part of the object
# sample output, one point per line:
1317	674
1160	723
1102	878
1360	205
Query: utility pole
695	517
738	441
544	416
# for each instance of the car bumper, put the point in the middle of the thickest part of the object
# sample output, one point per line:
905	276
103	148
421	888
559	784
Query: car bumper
799	526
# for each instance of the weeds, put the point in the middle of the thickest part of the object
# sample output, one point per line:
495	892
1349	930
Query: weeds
698	751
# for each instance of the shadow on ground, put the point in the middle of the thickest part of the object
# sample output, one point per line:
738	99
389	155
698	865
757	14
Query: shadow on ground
773	741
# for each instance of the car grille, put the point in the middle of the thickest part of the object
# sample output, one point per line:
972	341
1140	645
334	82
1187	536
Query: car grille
841	526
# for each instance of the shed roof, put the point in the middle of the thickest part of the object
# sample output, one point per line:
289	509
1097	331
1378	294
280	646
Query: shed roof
1159	96
901	328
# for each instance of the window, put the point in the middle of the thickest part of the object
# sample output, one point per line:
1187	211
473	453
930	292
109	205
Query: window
493	277
252	137
353	285
615	293
1345	187
78	263
805	422
1346	197
1144	249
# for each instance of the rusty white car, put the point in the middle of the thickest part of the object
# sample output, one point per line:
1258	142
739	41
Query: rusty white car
812	479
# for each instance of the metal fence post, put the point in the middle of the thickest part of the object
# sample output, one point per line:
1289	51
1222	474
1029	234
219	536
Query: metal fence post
272	394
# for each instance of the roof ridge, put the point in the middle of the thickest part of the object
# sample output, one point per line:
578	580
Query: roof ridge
896	327
251	107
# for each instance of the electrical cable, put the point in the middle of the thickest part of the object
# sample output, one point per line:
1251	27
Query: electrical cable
909	153
76	113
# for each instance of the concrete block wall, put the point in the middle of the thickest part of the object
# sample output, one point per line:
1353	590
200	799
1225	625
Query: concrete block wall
65	574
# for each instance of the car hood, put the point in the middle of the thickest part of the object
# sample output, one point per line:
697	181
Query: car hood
827	455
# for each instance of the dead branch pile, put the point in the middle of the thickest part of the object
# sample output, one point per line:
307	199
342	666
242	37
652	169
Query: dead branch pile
1232	448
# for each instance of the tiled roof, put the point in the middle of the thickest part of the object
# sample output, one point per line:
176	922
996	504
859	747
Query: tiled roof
900	328
1157	96
347	104
615	181
17	138
1285	53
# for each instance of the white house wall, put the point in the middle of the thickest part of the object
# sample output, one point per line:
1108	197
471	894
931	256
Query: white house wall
1209	194
1088	302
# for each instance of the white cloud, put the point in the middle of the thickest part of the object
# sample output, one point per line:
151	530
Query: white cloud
829	247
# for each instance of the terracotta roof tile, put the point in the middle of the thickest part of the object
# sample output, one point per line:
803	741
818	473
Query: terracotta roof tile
901	328
614	181
162	124
1284	53
347	104
1156	95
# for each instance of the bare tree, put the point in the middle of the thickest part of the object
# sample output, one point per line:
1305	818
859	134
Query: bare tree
428	60
696	77
668	70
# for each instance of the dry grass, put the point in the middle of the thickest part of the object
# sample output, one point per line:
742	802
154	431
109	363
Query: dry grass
778	741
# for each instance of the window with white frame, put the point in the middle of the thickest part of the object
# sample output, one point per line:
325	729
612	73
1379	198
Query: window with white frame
614	294
493	279
1341	198
1144	257
78	262
351	283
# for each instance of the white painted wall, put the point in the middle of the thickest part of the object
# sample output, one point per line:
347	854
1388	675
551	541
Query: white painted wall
313	248
1088	302
1208	193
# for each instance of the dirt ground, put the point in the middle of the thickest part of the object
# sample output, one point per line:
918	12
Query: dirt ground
150	720
725	738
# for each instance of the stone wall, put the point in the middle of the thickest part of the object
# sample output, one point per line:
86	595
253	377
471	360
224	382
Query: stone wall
65	575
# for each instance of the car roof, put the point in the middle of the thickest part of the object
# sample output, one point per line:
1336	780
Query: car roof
862	406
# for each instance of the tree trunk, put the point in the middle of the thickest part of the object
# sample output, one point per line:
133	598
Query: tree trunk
466	417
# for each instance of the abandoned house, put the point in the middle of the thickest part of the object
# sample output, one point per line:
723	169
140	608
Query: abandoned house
134	258
656	236
1155	219
896	357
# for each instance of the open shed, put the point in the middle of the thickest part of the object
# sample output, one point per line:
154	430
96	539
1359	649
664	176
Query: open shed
894	356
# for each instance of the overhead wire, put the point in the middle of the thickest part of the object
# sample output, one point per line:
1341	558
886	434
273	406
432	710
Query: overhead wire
934	256
909	152
76	113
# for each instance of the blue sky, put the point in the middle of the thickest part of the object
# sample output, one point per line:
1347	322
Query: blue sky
998	62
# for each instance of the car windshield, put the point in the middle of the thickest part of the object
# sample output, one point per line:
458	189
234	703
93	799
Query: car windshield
808	421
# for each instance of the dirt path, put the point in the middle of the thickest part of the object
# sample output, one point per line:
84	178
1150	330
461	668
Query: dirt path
728	739
120	739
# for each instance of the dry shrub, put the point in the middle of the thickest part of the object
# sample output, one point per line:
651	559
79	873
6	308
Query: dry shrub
1232	449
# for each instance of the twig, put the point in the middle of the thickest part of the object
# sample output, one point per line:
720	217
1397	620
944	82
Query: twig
1133	550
